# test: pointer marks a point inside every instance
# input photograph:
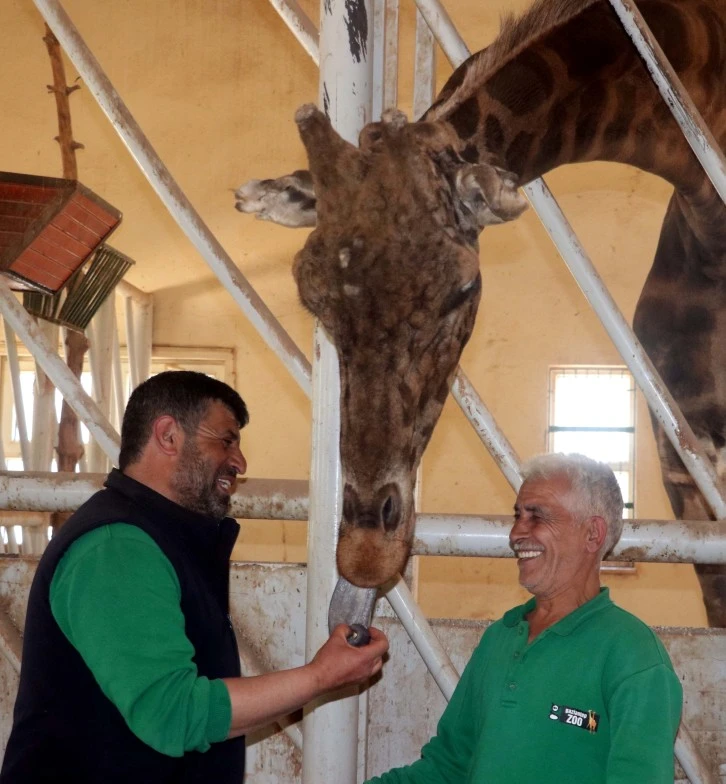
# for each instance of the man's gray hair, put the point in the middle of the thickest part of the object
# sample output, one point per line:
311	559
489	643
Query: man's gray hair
595	490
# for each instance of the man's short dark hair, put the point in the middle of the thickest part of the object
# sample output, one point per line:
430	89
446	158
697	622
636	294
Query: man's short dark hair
182	394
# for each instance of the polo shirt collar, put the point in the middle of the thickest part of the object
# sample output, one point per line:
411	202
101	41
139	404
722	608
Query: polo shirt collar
570	622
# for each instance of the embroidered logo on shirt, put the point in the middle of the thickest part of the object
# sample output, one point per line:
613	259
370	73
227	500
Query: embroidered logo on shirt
586	720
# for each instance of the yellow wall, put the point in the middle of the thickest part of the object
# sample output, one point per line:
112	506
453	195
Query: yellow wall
214	84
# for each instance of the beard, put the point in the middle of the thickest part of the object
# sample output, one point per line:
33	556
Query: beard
195	483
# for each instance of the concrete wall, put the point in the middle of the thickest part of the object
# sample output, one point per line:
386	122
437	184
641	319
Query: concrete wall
214	84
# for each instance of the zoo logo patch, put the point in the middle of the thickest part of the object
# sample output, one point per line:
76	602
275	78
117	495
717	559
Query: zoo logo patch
586	720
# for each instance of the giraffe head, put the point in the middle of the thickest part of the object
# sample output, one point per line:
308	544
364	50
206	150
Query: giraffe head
392	272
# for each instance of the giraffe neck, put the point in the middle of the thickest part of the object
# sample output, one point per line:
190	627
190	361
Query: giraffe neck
578	91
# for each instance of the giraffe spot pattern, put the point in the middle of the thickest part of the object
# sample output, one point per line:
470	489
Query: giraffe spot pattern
493	134
466	118
530	70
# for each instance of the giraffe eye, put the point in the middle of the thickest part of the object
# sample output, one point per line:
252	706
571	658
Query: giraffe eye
460	296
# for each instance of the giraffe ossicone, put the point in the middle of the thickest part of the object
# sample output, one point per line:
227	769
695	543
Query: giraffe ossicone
397	222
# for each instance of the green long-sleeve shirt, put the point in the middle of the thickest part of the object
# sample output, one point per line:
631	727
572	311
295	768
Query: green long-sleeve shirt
116	597
592	699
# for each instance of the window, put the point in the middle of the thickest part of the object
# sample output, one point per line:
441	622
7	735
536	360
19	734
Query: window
592	411
216	362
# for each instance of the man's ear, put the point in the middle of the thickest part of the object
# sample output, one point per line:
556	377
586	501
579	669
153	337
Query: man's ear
597	531
167	435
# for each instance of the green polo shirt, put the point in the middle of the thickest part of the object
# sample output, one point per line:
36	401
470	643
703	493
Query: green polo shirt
593	699
117	598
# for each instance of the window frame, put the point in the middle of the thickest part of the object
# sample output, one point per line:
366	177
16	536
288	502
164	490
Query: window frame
627	466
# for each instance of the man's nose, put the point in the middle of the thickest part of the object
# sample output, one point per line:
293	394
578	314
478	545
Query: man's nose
238	462
520	529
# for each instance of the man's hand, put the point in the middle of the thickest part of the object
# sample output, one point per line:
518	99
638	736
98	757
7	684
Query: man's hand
338	663
262	699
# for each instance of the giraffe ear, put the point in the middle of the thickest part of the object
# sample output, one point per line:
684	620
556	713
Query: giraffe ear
489	194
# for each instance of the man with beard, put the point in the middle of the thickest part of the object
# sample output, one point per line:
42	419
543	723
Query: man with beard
568	685
130	665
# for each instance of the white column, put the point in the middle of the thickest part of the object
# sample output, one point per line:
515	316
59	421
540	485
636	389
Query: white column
330	727
424	77
14	364
100	352
45	421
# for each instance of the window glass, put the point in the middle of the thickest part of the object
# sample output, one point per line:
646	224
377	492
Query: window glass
592	411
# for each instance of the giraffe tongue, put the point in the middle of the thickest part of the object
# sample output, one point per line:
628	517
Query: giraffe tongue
354	607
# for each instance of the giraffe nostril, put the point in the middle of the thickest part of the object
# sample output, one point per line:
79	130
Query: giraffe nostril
387	510
391	507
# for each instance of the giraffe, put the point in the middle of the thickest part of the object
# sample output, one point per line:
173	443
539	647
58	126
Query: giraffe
392	266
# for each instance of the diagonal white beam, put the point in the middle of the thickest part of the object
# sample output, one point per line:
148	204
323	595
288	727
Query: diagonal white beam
299	25
675	95
661	402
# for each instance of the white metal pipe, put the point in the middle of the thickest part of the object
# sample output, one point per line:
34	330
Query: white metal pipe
697	133
659	398
444	31
131	343
101	359
424	76
299	24
257	499
422	636
390	58
143	337
171	194
14	365
667	541
661	541
45	421
330	728
118	376
379	43
58	372
12	540
487	429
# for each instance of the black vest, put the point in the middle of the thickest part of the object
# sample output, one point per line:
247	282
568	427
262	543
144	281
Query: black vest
65	729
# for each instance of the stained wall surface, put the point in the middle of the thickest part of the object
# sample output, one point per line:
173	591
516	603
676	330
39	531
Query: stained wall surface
214	84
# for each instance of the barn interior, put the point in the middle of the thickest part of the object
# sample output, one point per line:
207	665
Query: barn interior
214	85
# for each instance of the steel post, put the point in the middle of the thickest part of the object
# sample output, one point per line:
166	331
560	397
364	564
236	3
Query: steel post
330	726
14	365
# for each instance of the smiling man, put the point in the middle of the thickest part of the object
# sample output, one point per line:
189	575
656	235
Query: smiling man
130	667
567	686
